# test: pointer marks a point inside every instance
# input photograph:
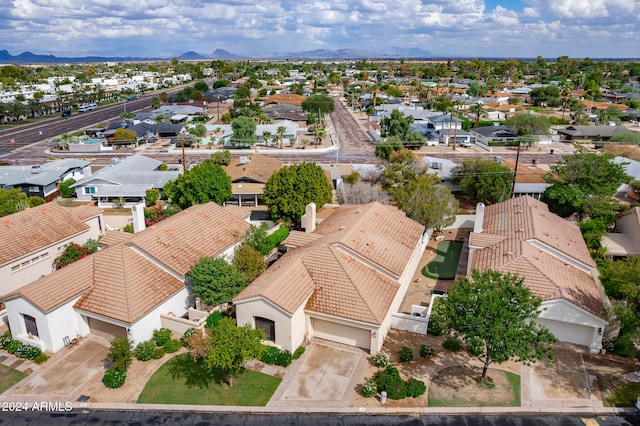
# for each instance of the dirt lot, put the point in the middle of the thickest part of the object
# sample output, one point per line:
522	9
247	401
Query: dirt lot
563	382
421	368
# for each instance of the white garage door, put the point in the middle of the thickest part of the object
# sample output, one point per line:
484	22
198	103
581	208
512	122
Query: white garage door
565	332
341	333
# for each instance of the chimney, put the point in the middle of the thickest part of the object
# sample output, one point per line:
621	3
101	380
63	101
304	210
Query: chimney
308	221
477	226
137	212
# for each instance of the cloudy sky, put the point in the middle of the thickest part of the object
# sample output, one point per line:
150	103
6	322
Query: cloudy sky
469	28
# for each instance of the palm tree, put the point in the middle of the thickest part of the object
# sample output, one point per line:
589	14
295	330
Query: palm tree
565	92
266	135
320	133
479	110
164	97
280	131
155	102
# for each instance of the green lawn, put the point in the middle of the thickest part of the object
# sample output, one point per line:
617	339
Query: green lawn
445	264
182	381
9	377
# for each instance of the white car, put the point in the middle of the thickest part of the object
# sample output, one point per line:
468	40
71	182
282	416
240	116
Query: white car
466	144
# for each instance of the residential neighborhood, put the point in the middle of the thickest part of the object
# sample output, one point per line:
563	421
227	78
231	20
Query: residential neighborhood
311	233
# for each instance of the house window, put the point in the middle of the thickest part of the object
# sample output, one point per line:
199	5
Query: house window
88	190
268	326
30	325
15	268
34	189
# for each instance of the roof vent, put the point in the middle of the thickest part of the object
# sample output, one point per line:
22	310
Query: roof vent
36	169
244	159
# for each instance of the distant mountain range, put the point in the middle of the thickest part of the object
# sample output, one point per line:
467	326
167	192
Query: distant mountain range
221	54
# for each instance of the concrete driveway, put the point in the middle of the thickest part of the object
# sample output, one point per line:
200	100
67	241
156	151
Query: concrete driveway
326	375
62	377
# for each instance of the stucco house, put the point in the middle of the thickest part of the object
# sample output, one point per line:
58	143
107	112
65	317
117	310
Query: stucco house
125	289
41	180
521	236
488	134
626	240
341	282
124	182
249	174
33	238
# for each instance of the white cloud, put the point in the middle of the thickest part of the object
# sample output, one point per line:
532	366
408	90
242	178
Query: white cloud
445	27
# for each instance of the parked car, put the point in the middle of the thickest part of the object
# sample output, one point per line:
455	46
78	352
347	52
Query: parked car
66	113
466	144
152	139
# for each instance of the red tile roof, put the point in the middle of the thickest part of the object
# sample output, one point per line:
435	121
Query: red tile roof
349	270
38	227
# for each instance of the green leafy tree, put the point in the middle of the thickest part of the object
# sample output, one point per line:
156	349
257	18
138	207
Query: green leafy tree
199	130
428	203
155	102
318	103
121	353
221	157
151	196
583	183
397	124
215	281
384	148
258	239
485	180
201	86
201	184
124	136
65	190
13	200
621	280
403	168
529	124
227	347
499	311
291	188
249	261
244	131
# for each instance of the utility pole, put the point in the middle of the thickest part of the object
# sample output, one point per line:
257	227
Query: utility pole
515	170
184	163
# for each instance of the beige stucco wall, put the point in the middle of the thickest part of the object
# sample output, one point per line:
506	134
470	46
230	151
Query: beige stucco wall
291	329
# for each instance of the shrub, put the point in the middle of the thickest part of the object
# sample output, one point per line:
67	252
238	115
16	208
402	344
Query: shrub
172	346
28	352
406	354
213	319
475	346
427	351
415	388
452	344
188	333
121	352
274	356
278	236
608	345
41	358
380	359
5	339
283	358
65	191
161	336
389	380
71	253
624	346
436	321
145	350
158	352
114	378
369	388
269	354
13	346
298	352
